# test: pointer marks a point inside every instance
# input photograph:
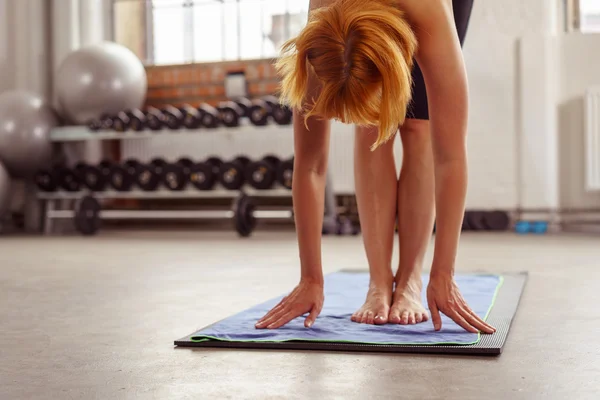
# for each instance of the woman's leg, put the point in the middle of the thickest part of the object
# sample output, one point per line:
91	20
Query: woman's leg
416	214
376	186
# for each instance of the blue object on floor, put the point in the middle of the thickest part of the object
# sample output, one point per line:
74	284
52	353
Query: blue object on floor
344	294
539	227
522	227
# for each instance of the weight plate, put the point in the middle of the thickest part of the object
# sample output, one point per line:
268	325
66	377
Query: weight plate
174	177
46	181
282	114
259	115
215	163
496	220
120	178
94	179
146	178
231	175
261	175
87	215
202	176
244	220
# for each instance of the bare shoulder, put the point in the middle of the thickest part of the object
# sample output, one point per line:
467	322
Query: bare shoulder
428	17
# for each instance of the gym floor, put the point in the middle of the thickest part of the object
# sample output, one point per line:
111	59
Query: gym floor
86	319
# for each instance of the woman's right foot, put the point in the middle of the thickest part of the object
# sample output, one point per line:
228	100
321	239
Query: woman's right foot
376	309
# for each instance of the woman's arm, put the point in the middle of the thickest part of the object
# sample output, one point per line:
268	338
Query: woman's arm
440	58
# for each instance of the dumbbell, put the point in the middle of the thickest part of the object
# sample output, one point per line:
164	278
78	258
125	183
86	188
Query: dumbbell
192	118
231	174
155	119
137	120
121	122
67	179
244	104
230	113
173	117
176	176
47	180
282	115
104	122
123	176
204	175
209	116
95	178
259	112
148	176
285	173
262	174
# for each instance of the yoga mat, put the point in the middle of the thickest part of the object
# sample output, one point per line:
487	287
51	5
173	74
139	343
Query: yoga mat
345	292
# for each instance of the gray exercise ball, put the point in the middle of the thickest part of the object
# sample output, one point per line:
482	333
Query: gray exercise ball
102	78
4	190
25	123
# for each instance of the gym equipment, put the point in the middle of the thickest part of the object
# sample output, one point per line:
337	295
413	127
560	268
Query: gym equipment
244	219
87	215
5	190
192	118
496	220
121	122
493	297
215	163
209	116
539	227
244	104
262	174
137	120
68	179
174	177
282	115
155	119
46	180
202	176
94	178
522	227
230	113
173	117
25	124
231	174
259	112
346	227
95	125
101	78
285	173
122	177
475	220
147	178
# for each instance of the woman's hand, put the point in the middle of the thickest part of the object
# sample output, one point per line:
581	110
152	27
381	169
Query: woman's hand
443	295
307	297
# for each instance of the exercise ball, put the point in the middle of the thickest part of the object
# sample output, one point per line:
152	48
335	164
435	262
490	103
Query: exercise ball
25	124
102	78
4	190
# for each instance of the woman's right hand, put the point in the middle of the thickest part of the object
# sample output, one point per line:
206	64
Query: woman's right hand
307	297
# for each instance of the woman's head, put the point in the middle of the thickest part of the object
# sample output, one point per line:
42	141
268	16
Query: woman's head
361	51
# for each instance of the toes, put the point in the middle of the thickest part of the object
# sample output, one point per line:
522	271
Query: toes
380	318
411	318
404	318
425	317
353	318
357	316
394	317
363	318
370	317
418	318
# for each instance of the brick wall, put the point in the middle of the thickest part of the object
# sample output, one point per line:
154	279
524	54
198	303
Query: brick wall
197	83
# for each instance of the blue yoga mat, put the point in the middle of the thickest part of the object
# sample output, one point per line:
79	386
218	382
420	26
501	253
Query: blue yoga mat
344	294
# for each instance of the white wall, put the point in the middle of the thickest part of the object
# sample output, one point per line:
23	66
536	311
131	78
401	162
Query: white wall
580	68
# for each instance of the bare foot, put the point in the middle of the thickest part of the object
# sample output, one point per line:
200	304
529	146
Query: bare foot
407	308
377	305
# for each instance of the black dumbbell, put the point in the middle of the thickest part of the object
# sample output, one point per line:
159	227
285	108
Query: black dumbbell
47	180
106	122
285	173
137	120
123	177
192	118
67	179
146	177
262	174
215	162
282	115
230	113
121	122
209	116
155	119
174	177
203	176
174	118
231	174
259	112
94	125
94	178
244	104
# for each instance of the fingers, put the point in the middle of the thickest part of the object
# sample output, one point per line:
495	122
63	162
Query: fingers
457	317
435	316
283	319
271	312
310	320
475	321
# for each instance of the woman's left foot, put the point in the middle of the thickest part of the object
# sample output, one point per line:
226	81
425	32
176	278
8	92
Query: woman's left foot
407	308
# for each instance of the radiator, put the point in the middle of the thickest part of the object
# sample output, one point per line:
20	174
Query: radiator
592	138
252	142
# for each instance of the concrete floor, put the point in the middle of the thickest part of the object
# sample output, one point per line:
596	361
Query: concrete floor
95	319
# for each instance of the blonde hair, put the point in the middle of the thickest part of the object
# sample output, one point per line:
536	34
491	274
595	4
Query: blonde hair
361	52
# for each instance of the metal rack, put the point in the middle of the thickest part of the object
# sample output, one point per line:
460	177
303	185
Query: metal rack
61	205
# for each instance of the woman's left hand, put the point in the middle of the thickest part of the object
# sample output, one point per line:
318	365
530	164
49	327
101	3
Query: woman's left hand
443	295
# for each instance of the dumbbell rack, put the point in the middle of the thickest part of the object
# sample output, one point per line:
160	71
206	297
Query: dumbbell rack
61	204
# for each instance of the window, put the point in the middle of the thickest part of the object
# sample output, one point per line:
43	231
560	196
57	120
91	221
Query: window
589	16
184	31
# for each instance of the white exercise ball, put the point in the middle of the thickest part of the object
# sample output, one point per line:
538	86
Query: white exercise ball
104	78
26	120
